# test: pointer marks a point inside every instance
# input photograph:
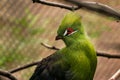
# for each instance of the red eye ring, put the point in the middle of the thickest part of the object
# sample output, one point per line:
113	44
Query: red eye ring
69	31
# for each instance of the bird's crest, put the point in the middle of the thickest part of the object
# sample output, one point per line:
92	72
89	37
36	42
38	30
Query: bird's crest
70	21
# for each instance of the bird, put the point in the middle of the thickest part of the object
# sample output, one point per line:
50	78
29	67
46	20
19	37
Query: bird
76	61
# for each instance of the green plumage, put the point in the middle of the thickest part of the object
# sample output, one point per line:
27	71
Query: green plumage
77	61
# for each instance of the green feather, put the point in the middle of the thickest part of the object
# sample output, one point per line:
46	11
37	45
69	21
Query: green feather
76	61
79	51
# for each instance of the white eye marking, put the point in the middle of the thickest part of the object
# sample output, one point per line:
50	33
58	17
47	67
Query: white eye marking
72	33
65	33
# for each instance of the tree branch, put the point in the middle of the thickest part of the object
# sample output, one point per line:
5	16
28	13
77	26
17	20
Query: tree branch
54	48
98	52
23	67
98	7
116	76
7	74
55	4
102	54
93	6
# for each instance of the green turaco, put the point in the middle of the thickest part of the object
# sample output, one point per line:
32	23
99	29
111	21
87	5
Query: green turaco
76	61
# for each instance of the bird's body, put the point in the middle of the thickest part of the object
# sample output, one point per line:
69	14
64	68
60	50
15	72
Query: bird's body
77	61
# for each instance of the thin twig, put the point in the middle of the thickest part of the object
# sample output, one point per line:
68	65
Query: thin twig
116	76
24	67
102	54
108	55
49	47
94	6
7	74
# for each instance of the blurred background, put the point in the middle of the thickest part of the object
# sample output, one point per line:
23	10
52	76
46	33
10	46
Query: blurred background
24	25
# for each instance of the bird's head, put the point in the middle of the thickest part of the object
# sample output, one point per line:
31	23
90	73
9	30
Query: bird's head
70	29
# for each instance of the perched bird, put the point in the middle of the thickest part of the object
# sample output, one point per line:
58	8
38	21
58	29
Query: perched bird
76	61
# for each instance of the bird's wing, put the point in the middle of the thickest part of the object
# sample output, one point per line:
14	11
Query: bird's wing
51	68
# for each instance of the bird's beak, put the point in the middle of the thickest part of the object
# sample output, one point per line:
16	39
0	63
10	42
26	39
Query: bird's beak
58	38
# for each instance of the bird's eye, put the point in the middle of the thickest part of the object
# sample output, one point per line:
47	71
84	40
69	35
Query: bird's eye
69	31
